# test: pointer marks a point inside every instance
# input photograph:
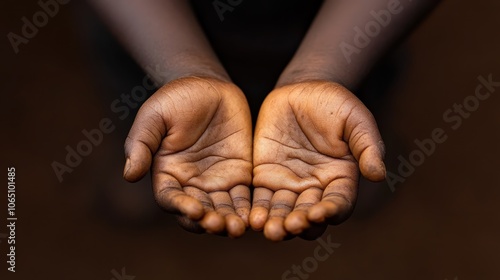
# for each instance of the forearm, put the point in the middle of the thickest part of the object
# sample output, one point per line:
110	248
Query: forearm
163	37
349	36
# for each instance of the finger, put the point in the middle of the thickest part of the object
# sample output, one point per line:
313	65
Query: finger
337	202
371	163
212	222
142	142
282	204
366	144
240	195
223	205
297	221
170	196
260	208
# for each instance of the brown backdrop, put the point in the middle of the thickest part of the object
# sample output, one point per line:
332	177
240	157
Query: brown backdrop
442	222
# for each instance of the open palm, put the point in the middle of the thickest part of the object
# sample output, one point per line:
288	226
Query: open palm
197	134
311	139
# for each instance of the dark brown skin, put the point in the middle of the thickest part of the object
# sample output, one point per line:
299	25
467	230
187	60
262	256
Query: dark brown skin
320	56
309	139
312	137
200	134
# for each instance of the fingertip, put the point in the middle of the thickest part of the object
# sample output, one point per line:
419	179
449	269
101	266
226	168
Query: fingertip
371	163
316	214
134	169
192	208
330	212
258	218
373	170
296	222
274	230
213	222
235	226
322	211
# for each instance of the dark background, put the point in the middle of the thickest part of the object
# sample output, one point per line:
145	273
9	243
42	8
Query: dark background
441	223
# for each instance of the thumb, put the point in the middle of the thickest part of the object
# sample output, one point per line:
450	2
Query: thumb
143	141
371	163
366	144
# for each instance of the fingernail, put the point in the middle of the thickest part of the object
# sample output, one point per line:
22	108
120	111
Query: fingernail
127	167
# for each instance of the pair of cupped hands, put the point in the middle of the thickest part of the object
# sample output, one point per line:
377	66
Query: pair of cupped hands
311	140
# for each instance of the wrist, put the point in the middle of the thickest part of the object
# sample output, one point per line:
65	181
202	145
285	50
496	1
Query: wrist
301	75
186	66
310	69
325	66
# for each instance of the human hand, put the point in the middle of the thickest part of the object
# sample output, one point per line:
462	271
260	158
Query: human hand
197	134
311	140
